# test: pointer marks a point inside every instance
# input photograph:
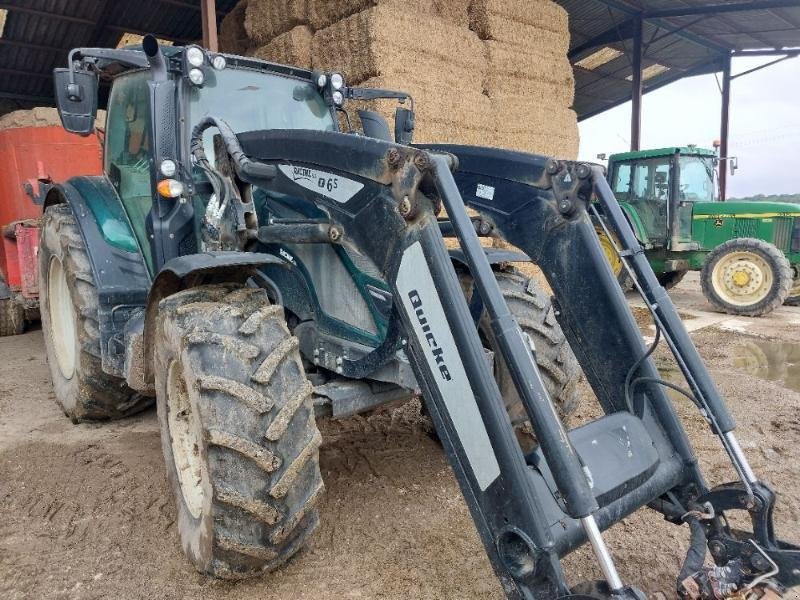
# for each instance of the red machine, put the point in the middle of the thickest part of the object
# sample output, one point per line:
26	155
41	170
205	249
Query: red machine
31	158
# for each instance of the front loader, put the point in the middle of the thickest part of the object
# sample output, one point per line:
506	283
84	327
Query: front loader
255	269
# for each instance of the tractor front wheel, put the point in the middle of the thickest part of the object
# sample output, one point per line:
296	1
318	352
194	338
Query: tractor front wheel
746	276
237	429
531	307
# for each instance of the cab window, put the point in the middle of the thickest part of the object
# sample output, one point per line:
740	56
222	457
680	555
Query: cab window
622	181
127	150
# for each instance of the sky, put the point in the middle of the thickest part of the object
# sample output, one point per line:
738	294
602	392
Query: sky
764	125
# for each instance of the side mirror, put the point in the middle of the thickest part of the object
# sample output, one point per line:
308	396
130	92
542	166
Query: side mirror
733	162
403	125
374	125
76	95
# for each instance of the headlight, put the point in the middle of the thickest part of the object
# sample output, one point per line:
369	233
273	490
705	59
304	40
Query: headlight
338	98
337	81
195	56
322	80
168	168
196	76
219	62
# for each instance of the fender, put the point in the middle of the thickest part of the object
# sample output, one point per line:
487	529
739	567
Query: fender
118	267
190	271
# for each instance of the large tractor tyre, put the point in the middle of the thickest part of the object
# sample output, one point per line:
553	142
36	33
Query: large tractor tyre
68	305
531	307
12	317
237	429
609	246
671	279
746	276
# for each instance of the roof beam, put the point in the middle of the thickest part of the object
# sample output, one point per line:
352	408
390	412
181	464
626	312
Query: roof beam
26	10
31	46
717	9
5	71
44	100
623	6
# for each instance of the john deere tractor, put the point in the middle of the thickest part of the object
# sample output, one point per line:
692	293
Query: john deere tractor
257	266
748	252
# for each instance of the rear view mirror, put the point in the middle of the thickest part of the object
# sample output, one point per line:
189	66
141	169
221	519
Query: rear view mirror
403	125
76	95
374	125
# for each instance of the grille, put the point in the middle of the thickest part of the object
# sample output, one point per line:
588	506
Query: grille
783	231
745	228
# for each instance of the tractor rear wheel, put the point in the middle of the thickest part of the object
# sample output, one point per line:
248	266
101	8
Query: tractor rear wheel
671	279
237	429
746	276
69	303
531	307
12	317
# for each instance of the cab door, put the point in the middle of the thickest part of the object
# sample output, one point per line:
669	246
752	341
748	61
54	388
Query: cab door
649	195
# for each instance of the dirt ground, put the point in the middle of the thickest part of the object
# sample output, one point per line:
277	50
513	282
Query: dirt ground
85	511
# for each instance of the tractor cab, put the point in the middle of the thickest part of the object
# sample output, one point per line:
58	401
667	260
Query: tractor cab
658	189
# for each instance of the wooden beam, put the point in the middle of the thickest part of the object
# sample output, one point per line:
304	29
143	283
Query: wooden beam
209	17
15	8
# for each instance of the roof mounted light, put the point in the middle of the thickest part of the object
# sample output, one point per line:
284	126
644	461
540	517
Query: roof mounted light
337	81
196	76
195	56
322	80
338	98
219	62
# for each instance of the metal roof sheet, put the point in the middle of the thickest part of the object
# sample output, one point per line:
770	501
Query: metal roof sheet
690	37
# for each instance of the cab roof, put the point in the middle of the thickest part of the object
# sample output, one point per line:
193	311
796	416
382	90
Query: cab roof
638	154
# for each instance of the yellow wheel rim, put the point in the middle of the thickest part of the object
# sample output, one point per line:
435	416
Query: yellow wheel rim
742	278
607	244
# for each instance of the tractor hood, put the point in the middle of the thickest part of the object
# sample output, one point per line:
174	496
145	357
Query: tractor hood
747	209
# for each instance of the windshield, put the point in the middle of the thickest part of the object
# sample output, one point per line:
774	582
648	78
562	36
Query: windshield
698	179
250	100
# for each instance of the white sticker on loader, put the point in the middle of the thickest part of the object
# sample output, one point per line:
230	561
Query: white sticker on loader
333	186
424	309
484	191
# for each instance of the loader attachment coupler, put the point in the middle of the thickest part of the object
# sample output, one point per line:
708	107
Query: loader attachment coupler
532	510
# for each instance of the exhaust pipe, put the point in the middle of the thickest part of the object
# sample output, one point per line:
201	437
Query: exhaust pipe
158	66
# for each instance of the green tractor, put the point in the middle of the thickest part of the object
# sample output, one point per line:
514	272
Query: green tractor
748	252
256	266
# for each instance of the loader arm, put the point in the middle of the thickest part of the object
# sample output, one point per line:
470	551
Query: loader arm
529	510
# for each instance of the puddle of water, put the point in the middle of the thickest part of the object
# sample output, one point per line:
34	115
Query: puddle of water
775	361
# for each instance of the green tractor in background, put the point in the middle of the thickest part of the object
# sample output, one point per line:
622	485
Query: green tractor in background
748	252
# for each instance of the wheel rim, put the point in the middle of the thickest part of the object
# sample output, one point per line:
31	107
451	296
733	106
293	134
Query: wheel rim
184	439
742	278
609	250
62	319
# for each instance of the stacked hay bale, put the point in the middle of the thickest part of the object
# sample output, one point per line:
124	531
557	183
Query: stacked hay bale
487	72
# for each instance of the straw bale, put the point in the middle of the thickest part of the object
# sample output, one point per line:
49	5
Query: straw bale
232	34
442	114
267	19
529	91
539	64
290	48
41	116
489	18
527	36
324	13
387	40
